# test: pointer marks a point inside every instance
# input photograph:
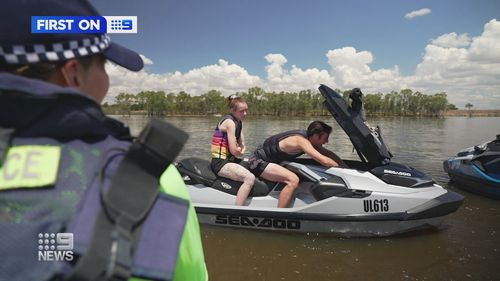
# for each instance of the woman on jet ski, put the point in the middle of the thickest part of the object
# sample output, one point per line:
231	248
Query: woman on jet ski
287	146
227	143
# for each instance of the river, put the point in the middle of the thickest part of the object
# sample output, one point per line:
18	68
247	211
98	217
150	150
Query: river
466	247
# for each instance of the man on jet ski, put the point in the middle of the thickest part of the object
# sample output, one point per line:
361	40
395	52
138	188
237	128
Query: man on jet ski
287	146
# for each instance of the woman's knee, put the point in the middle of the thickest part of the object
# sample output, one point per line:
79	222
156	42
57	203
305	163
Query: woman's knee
249	178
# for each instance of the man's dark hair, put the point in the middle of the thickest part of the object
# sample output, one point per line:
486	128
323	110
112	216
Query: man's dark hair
318	127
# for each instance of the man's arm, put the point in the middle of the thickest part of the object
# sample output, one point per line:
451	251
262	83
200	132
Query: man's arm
332	155
309	149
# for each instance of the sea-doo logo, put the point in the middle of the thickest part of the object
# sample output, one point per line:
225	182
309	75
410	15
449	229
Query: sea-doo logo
257	222
225	185
374	206
397	173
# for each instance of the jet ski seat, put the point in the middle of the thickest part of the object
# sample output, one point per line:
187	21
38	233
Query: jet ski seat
199	172
488	159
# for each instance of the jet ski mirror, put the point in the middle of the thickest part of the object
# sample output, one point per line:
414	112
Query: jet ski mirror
356	96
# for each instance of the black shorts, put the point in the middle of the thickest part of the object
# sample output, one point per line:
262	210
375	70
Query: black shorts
216	164
255	165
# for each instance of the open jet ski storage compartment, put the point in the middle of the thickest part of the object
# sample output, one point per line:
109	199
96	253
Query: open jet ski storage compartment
368	144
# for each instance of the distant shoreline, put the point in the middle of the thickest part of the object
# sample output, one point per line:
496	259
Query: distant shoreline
473	112
449	113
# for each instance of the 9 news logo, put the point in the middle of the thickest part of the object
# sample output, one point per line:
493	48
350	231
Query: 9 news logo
55	246
83	24
121	24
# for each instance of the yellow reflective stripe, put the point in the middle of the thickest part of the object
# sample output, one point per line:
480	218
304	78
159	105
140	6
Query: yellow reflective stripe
30	166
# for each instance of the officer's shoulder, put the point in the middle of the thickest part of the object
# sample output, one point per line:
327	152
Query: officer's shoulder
172	183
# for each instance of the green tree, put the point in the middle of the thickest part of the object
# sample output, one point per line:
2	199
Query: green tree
214	102
170	103
196	104
182	101
405	99
255	98
469	107
373	103
451	107
124	102
153	102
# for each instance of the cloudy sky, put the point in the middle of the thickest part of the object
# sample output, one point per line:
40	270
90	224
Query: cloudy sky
290	45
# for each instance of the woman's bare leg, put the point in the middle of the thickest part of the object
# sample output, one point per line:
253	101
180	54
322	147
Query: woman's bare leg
237	172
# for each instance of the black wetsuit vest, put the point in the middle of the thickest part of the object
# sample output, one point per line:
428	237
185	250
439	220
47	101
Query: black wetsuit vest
270	151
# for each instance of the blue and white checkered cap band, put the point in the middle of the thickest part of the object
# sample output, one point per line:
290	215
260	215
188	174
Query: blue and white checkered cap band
56	52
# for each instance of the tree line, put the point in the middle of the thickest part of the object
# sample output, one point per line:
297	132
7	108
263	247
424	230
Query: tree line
302	103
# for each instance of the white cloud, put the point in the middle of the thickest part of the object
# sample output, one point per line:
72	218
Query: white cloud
469	74
275	68
347	64
226	77
351	69
279	79
486	48
452	40
467	69
146	60
418	13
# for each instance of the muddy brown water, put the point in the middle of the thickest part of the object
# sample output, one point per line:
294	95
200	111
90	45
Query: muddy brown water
466	247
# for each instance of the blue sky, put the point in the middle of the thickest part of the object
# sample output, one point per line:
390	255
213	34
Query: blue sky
191	37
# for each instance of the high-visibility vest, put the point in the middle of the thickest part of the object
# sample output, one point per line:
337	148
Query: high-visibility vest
54	187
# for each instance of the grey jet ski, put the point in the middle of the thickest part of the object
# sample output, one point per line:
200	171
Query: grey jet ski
373	197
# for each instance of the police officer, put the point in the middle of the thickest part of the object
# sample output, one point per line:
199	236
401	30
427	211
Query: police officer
60	158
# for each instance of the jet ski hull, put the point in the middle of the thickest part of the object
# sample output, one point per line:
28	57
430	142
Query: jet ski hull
369	215
469	177
356	228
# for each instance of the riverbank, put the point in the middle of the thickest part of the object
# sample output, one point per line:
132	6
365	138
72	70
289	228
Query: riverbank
449	113
474	113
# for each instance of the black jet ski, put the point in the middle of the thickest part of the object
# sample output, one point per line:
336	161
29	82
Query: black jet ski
373	197
477	169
